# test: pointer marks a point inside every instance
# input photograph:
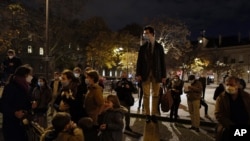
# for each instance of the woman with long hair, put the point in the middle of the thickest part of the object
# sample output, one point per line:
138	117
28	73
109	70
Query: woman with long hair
70	99
41	97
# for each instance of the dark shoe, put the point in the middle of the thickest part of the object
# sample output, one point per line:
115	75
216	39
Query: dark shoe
128	129
171	120
176	116
148	118
154	119
197	129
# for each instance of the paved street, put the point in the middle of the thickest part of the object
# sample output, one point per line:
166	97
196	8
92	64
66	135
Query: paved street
178	131
170	131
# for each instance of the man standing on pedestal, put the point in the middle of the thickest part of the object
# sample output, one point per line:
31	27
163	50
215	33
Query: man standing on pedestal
151	69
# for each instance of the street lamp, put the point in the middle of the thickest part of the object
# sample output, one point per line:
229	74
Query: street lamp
47	39
248	76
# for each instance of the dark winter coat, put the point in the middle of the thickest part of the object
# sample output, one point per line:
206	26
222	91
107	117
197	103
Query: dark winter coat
147	63
15	97
218	91
225	117
122	91
10	66
114	120
176	89
223	109
42	96
75	102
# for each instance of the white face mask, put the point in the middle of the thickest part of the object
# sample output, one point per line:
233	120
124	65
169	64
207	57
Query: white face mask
87	81
231	90
41	84
76	75
145	37
29	78
10	57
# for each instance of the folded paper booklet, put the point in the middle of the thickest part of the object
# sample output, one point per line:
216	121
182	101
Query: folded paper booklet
186	84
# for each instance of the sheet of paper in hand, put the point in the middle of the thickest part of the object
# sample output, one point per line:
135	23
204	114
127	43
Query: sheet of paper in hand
185	86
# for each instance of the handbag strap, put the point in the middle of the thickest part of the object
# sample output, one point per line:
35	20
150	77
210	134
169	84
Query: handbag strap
164	88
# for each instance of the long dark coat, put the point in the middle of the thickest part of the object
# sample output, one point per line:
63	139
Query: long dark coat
157	65
15	97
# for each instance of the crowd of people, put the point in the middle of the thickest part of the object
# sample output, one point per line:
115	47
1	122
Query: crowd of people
65	107
72	106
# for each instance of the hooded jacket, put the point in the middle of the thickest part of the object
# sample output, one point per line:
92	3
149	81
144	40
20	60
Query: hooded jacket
113	118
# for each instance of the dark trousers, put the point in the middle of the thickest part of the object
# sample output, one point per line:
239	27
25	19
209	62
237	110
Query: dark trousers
203	103
140	94
127	115
175	107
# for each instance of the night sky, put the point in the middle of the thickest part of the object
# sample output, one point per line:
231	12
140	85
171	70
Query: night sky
225	17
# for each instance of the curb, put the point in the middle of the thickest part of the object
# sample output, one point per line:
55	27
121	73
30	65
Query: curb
180	120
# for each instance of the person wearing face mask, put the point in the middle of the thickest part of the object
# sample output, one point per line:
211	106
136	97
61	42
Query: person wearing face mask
16	104
124	89
82	88
151	71
232	108
70	99
194	92
10	64
41	96
94	98
175	86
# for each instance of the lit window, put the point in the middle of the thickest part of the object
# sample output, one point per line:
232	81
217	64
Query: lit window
29	49
41	51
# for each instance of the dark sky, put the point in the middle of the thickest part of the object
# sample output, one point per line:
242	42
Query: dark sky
225	17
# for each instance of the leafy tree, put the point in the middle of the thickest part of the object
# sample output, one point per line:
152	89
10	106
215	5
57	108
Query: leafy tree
173	35
215	62
111	50
14	26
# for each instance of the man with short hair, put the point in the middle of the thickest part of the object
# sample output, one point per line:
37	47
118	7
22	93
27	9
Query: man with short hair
232	108
10	64
124	89
194	92
151	69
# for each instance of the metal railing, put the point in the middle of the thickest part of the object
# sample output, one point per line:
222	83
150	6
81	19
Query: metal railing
35	131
